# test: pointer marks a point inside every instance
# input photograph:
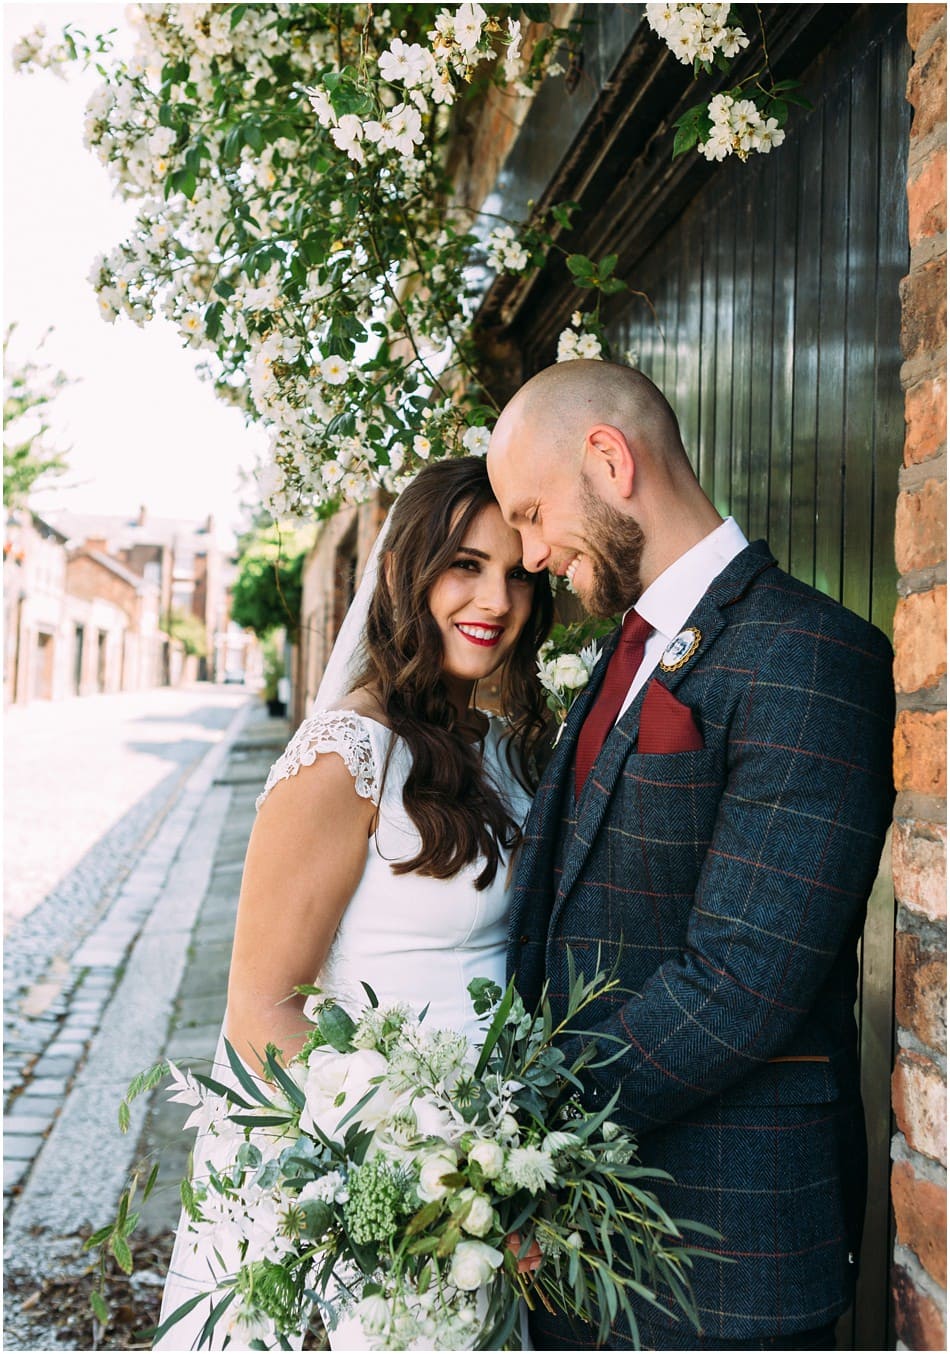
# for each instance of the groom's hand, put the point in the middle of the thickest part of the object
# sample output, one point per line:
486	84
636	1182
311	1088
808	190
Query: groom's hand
528	1262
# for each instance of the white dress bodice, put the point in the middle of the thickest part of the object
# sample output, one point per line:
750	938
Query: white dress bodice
412	938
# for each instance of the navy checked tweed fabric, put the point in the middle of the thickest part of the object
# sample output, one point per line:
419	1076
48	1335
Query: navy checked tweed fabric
729	884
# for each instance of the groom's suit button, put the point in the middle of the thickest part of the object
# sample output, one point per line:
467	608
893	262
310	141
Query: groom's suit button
523	940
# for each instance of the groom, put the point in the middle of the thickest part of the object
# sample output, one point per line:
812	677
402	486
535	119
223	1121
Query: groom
711	823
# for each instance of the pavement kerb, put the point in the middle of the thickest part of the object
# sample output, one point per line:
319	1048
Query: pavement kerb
83	1165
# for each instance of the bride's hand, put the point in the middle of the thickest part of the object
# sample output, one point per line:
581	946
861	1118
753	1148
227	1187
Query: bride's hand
528	1262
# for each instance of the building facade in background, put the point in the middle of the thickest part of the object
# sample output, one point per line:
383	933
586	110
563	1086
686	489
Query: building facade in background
100	603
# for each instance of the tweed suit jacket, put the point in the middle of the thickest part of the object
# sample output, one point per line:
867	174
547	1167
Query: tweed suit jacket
729	886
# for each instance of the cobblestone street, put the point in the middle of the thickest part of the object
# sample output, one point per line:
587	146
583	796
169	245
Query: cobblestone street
88	785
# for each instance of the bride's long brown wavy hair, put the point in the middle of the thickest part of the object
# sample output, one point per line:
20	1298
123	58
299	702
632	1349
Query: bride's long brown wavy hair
459	814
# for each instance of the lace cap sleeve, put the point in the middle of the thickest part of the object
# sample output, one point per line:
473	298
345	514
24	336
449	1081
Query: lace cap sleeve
340	731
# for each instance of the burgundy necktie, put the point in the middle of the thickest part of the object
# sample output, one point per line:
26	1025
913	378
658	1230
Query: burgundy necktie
621	669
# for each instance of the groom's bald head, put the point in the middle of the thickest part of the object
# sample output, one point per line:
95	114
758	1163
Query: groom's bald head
554	411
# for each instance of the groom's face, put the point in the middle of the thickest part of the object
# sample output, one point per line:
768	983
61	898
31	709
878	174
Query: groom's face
567	528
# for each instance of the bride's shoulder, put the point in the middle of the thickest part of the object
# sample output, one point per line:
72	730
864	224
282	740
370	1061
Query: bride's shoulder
352	735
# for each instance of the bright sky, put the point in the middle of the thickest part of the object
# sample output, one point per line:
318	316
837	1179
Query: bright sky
141	427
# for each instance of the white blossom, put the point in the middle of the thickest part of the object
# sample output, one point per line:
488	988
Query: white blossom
468	23
348	137
476	440
334	370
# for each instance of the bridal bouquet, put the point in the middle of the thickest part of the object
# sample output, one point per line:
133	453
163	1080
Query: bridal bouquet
400	1173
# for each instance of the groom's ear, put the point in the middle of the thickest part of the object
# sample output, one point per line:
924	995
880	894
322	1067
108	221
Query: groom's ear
610	462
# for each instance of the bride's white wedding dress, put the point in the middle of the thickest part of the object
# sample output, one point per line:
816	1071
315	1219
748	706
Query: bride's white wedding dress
412	938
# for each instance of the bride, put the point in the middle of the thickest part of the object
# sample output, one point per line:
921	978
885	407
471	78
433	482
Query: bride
383	846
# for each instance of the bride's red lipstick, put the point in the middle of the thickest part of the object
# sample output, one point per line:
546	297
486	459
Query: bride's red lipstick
482	643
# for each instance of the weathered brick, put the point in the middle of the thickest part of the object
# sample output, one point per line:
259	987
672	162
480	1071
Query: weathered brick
927	198
920	1211
920	537
920	747
919	1322
919	1097
920	867
927	89
921	18
920	639
924	308
925	412
920	990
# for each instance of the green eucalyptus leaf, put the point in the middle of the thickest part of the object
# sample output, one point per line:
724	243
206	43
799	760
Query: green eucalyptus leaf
337	1027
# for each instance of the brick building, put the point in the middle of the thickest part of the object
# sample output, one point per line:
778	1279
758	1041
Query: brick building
113	616
919	1180
797	323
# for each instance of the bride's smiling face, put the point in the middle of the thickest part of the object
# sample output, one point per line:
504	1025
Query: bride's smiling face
481	602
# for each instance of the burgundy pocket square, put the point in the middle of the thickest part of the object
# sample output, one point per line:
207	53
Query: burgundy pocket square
666	724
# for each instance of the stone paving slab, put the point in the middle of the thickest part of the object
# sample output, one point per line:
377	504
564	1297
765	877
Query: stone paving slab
202	994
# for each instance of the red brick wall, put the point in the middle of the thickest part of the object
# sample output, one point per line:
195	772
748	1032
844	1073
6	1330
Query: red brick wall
87	579
919	1150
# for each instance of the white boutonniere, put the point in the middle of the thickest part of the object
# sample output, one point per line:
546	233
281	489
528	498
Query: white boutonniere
564	670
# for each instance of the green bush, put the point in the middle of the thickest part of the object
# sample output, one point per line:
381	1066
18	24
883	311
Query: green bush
269	586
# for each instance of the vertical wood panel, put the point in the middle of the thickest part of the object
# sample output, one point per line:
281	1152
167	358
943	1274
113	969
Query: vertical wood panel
808	274
785	189
744	219
860	340
892	131
833	322
725	254
760	365
688	385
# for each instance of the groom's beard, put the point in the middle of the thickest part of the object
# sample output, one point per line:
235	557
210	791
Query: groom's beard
615	547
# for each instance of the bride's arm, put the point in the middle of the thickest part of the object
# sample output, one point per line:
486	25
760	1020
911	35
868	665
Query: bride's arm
304	861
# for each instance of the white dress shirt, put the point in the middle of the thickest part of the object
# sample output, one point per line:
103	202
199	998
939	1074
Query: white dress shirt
669	600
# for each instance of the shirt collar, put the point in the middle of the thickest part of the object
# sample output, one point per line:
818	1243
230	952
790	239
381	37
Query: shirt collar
670	598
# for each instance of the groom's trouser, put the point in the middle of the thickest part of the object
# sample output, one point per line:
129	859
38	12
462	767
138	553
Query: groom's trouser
821	1337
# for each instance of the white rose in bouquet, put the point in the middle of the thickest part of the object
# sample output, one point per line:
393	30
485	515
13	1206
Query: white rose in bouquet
480	1217
336	1082
431	1172
489	1156
472	1264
